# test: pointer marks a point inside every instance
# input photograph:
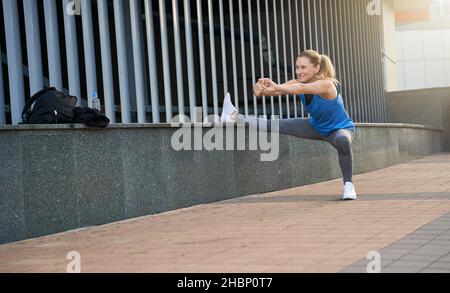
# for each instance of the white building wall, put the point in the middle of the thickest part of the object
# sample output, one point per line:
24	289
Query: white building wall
423	58
390	50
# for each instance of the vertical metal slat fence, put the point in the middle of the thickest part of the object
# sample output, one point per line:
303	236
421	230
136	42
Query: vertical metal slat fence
173	48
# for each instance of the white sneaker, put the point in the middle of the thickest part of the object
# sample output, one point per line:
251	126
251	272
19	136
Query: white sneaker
229	112
349	191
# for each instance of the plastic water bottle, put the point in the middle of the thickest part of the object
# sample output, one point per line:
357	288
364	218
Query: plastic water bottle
96	102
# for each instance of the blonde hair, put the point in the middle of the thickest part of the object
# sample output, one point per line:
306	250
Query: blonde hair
326	66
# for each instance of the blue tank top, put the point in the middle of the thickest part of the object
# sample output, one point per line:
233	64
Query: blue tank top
327	116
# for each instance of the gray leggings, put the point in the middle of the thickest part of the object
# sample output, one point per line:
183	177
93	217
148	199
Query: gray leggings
341	139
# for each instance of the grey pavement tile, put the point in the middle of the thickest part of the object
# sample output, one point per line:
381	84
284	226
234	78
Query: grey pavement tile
395	251
386	262
358	268
445	258
443	226
445	242
420	257
428	232
364	262
422	236
391	257
439	265
404	246
389	261
401	270
435	271
413	241
409	264
439	248
420	250
432	249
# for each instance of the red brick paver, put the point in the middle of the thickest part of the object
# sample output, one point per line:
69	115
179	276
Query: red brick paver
303	229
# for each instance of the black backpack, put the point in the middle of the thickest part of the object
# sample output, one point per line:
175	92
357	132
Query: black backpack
90	117
51	107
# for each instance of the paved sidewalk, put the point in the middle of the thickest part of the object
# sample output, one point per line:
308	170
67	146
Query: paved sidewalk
426	250
403	212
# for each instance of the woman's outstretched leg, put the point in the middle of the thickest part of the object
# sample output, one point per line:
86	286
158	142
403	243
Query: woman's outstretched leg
298	127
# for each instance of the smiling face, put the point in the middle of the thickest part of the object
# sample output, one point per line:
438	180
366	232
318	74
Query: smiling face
305	70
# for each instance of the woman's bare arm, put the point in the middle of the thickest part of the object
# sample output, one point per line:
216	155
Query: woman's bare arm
323	88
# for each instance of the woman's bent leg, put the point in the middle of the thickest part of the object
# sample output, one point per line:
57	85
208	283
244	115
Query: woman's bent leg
342	140
298	127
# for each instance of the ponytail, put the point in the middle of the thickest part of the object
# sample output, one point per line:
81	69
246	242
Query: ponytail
326	68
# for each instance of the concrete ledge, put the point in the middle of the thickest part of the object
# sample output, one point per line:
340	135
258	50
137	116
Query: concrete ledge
399	125
24	127
60	177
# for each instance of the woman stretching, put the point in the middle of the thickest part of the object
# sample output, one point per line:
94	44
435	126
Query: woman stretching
320	94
